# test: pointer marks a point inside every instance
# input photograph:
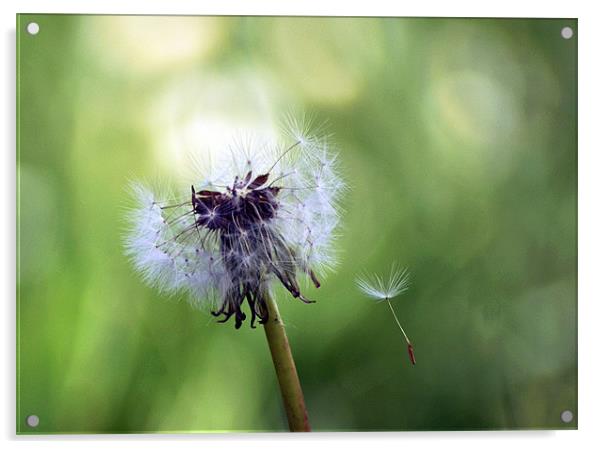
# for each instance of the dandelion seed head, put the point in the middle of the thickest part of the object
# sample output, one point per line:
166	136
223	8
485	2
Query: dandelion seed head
265	212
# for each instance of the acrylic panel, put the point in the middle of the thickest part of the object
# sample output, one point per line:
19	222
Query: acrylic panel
381	211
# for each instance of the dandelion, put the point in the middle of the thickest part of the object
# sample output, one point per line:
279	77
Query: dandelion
264	214
375	287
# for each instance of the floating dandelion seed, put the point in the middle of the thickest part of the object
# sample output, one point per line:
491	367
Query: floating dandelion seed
266	213
375	287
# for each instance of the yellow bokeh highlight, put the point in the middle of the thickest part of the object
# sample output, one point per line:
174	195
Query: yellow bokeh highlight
328	63
147	44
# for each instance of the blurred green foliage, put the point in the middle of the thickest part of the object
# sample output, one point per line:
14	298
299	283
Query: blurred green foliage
458	140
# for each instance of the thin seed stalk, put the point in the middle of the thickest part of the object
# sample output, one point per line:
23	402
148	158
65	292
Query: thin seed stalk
286	371
409	343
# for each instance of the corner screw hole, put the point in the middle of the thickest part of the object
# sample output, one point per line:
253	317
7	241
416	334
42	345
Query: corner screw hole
33	28
33	421
566	416
566	32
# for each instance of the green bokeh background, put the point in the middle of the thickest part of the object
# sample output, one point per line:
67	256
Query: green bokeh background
458	140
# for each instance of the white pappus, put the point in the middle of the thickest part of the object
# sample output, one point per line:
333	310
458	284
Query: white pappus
265	212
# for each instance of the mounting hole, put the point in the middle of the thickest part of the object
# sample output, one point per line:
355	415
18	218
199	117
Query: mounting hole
566	32
566	416
33	28
32	420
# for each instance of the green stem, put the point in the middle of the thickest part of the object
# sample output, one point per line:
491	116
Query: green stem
290	387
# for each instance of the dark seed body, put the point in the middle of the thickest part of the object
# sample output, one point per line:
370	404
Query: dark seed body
251	249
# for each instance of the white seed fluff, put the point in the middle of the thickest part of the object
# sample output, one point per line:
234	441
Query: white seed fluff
379	288
175	254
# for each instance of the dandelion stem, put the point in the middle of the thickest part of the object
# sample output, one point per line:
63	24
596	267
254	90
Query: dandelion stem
290	387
